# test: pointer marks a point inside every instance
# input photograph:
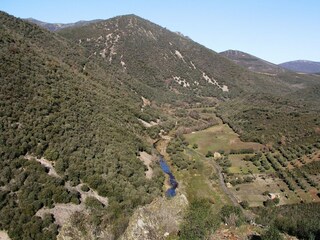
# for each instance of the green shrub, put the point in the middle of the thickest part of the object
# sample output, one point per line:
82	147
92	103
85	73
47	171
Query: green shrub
199	221
85	188
232	215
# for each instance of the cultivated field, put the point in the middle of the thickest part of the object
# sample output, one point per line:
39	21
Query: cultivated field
217	138
283	173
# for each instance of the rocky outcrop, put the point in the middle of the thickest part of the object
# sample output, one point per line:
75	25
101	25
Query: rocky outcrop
157	220
86	232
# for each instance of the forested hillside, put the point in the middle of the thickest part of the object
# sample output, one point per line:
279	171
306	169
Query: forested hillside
167	63
168	67
83	120
79	106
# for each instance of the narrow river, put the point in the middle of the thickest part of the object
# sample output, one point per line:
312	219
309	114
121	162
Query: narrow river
171	192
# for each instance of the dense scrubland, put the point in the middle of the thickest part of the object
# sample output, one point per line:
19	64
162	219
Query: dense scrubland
76	98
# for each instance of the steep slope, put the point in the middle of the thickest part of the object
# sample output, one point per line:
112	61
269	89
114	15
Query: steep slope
165	62
302	66
252	63
70	128
58	26
166	67
80	121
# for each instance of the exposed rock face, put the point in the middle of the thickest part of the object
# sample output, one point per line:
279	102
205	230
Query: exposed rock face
157	220
70	232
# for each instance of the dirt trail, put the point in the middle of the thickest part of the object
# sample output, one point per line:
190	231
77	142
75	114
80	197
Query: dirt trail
61	211
147	160
46	163
84	195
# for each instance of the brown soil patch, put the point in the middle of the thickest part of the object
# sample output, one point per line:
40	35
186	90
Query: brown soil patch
148	125
90	193
146	102
61	212
147	160
46	163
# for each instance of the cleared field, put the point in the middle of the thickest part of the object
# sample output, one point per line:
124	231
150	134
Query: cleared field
220	137
201	182
240	166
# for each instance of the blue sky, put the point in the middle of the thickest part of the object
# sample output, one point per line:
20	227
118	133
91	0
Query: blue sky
275	30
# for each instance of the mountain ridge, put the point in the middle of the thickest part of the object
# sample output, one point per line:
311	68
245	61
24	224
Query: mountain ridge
172	49
251	62
57	26
165	67
302	66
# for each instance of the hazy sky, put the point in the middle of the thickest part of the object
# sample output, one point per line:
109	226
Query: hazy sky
275	30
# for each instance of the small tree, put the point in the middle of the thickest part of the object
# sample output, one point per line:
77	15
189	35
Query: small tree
272	234
245	204
85	188
209	154
232	215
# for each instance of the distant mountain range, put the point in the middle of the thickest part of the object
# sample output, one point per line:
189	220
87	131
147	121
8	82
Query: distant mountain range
303	66
252	63
246	60
58	26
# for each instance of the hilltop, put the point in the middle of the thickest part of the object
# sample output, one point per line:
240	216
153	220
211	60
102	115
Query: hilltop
302	66
252	63
141	48
58	26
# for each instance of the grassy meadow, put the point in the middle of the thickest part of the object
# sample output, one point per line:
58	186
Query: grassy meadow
217	138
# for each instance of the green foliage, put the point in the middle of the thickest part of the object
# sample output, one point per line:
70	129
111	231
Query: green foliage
199	221
85	188
301	220
232	215
271	234
312	168
79	110
244	204
209	154
271	202
175	148
242	151
93	203
81	119
266	118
